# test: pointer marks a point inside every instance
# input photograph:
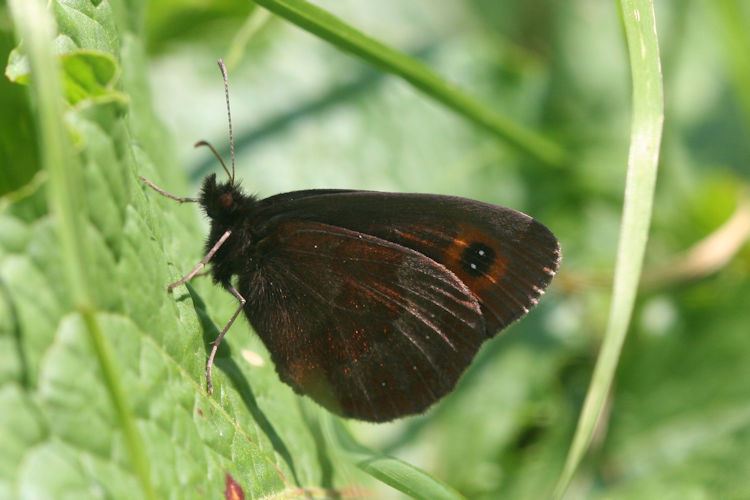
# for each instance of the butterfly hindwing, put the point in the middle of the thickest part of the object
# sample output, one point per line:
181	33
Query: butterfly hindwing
368	328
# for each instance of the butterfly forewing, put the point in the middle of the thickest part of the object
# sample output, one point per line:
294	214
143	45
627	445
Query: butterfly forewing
368	328
505	257
507	273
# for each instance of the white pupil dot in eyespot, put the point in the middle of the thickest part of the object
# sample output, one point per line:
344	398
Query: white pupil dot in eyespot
473	266
481	253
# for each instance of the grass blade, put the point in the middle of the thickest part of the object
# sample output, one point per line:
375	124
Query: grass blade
396	473
645	139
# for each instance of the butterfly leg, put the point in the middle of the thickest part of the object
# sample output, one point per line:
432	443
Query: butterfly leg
203	262
209	364
168	195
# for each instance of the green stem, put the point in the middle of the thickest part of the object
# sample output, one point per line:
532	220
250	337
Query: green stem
37	29
332	29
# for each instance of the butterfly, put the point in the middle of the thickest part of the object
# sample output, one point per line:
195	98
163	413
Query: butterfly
373	304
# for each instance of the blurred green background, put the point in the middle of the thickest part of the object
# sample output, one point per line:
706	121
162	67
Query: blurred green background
306	115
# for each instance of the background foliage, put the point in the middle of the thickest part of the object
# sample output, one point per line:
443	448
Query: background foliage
141	87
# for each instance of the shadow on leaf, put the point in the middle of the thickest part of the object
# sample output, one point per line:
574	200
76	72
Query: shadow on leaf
229	367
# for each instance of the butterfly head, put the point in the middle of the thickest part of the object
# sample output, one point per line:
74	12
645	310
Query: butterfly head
223	202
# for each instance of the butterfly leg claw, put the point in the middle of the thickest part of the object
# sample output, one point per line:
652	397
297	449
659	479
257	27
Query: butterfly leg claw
215	343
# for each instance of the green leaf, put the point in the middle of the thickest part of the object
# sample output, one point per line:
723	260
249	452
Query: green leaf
102	369
88	74
82	25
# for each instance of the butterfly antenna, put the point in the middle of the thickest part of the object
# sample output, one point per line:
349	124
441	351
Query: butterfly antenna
218	157
229	114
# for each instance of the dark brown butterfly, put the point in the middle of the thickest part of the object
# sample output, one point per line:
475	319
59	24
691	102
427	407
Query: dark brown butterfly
373	304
